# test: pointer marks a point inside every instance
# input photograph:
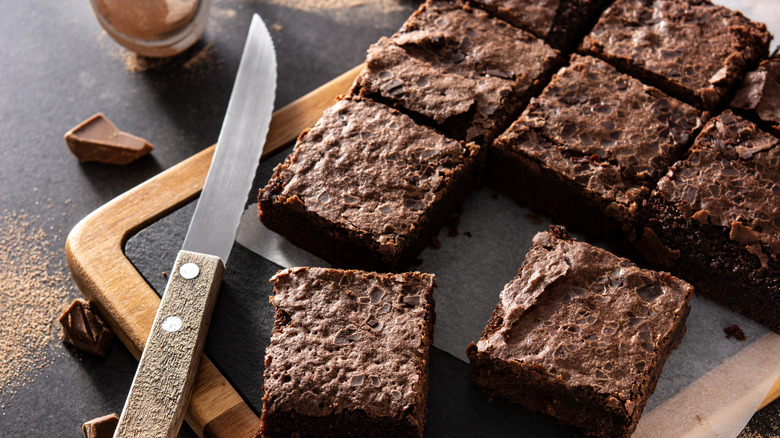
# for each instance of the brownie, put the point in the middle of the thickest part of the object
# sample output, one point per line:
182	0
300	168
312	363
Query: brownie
581	334
693	50
759	97
590	148
457	69
349	354
367	187
561	23
715	218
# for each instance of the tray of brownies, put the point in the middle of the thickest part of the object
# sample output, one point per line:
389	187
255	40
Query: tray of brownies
548	218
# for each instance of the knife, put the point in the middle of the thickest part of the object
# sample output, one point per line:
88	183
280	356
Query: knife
165	377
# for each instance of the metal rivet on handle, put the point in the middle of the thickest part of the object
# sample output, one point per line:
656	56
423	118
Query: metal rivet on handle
189	271
172	324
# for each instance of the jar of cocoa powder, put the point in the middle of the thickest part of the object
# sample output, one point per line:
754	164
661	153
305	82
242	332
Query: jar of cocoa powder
155	28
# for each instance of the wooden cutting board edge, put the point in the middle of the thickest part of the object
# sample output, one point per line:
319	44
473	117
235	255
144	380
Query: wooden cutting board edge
129	304
95	254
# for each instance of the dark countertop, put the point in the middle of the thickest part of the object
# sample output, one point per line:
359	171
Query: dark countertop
59	68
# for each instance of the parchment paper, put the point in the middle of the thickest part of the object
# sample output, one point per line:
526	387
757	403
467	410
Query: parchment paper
493	235
710	386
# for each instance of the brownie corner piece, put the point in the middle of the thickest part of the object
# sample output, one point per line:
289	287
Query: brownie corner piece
714	219
581	334
694	50
367	187
349	354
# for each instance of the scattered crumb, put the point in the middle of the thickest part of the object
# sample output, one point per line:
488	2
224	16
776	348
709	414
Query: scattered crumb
435	243
165	274
193	65
734	331
698	419
532	218
467	234
224	13
33	290
277	27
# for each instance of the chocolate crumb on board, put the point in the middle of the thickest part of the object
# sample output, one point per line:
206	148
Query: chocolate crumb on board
84	329
97	139
733	331
101	427
435	243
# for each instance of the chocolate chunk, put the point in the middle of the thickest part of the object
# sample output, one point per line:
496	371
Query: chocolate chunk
97	139
101	427
83	328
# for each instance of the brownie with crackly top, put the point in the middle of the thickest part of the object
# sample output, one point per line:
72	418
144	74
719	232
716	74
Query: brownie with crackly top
581	334
759	97
367	187
715	218
562	23
349	354
590	148
693	50
457	69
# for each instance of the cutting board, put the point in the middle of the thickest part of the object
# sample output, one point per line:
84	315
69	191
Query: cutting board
226	398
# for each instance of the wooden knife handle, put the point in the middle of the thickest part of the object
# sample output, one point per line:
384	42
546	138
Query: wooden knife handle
166	372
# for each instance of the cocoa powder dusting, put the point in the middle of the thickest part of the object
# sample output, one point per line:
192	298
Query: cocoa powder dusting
195	63
34	290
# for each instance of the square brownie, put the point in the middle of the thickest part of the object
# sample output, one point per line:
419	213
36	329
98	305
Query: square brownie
349	354
562	23
691	49
367	187
715	218
590	148
759	97
581	334
457	69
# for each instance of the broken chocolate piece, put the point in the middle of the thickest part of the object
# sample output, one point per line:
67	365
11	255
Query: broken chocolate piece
97	139
101	427
83	328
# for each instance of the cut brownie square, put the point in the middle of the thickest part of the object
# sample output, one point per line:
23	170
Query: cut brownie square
581	334
759	97
349	354
693	50
368	188
562	23
591	147
715	218
462	71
